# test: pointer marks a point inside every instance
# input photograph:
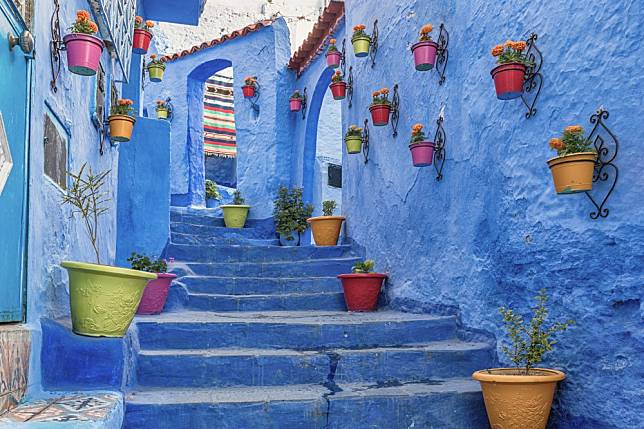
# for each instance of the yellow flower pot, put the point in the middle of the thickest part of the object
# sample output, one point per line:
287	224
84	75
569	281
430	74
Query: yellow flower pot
361	46
354	144
326	229
573	173
162	113
156	72
235	216
121	127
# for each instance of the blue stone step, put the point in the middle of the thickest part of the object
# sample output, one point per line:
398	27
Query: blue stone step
178	238
273	367
310	268
220	231
213	219
261	285
445	404
255	254
301	330
272	302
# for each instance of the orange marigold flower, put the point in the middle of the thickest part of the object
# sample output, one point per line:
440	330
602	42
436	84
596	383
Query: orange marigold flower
556	143
497	50
384	91
376	93
149	24
509	44
573	129
93	27
426	29
332	41
82	15
338	72
153	56
417	127
138	20
520	46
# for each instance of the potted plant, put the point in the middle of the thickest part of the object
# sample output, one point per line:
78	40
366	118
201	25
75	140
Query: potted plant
338	86
362	286
380	107
521	397
353	139
295	102
82	47
162	109
235	214
121	120
142	35
156	68
333	56
249	87
361	41
509	75
212	194
102	298
425	49
422	151
326	228
573	167
156	291
290	214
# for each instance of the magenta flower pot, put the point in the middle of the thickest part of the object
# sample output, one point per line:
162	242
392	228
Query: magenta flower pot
155	294
295	104
83	53
333	59
424	55
422	154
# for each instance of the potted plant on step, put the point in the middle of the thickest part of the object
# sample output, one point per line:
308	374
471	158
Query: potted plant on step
82	47
102	298
326	228
295	102
156	68
509	75
521	397
362	286
573	167
212	194
380	107
249	87
162	109
353	139
290	215
142	36
235	214
156	291
121	120
422	151
425	49
361	41
333	56
338	86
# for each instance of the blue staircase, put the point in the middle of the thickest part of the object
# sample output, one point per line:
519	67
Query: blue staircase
259	337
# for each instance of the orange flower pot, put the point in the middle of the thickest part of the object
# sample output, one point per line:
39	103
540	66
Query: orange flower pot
326	229
573	173
121	127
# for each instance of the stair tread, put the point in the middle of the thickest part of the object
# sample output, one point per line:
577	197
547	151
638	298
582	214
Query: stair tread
282	262
257	278
263	296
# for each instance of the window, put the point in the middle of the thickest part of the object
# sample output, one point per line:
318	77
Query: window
55	152
335	175
98	115
26	8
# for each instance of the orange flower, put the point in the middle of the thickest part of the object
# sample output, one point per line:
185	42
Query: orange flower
556	144
519	46
138	20
384	91
509	44
497	50
153	56
376	93
82	15
149	24
573	129
338	72
120	102
332	41
426	29
93	27
417	127
129	102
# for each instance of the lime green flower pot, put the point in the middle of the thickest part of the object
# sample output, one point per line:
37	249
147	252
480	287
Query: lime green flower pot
235	216
103	299
156	73
361	46
354	144
162	113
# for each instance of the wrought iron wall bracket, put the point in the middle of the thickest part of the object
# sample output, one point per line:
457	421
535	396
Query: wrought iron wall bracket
533	77
439	149
442	53
253	100
365	141
373	44
395	111
56	46
304	104
343	57
350	82
605	168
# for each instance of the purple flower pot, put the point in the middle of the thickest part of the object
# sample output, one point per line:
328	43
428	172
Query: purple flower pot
295	104
422	154
424	55
155	294
333	59
83	53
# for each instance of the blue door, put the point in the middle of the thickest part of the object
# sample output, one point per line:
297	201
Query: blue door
14	121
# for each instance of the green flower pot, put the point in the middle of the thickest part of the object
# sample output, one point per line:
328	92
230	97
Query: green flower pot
235	216
162	113
354	144
156	73
103	299
361	46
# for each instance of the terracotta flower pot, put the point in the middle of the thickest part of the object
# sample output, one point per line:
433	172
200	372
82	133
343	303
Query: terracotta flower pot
333	59
354	144
326	229
248	91
162	113
573	173
361	290
235	216
141	41
361	46
83	53
155	294
508	80
121	127
339	90
518	401
156	72
380	114
295	104
424	55
422	154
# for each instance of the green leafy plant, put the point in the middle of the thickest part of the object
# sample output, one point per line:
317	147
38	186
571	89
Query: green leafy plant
250	81
155	61
417	134
337	77
363	267
530	341
290	212
381	97
297	95
212	192
572	141
328	207
332	47
88	199
140	24
353	131
238	200
123	106
144	263
511	52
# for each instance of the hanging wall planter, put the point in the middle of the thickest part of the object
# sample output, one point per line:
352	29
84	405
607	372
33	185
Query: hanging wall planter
425	50
249	87
422	150
235	214
572	170
353	139
156	68
142	36
380	107
360	41
362	287
333	56
83	48
338	86
295	102
162	109
121	121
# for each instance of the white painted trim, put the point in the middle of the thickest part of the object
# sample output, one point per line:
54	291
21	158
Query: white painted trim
6	161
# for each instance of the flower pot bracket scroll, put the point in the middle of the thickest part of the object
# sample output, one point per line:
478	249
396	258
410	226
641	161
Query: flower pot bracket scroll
343	66
395	111
533	77
439	142
442	54
373	45
365	141
253	100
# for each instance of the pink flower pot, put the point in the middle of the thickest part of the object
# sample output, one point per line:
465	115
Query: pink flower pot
83	53
508	80
422	154
380	114
155	294
339	90
295	104
141	41
424	55
333	59
248	90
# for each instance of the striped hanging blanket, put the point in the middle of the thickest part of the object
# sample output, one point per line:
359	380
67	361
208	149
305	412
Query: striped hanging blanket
219	117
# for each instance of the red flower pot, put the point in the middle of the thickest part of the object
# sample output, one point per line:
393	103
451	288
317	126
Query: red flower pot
508	80
339	90
248	90
155	294
380	114
333	59
361	290
295	104
424	55
422	154
141	41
